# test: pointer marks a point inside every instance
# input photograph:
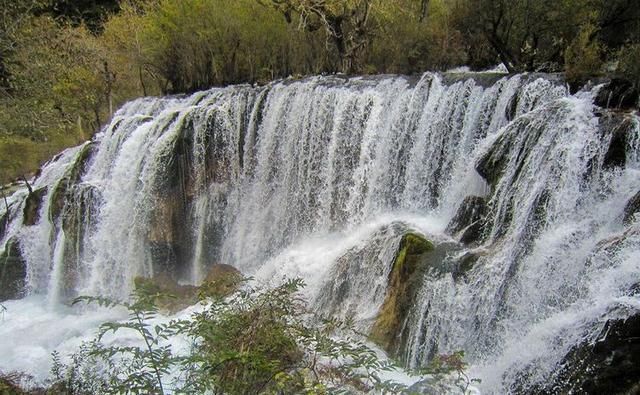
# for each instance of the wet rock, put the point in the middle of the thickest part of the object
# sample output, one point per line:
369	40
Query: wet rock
359	276
469	222
619	126
13	271
493	164
32	206
464	264
611	365
512	108
78	221
4	223
404	282
618	94
631	209
60	193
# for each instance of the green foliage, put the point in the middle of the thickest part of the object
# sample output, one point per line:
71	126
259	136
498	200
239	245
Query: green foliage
583	57
450	364
254	341
65	66
629	63
132	369
194	44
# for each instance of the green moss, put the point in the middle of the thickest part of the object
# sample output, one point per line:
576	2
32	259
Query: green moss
404	281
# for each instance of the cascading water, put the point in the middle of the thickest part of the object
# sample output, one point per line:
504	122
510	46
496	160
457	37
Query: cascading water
320	178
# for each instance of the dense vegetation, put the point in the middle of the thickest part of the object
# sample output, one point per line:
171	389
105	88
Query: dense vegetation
249	341
66	65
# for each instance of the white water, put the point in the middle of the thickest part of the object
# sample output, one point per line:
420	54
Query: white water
307	179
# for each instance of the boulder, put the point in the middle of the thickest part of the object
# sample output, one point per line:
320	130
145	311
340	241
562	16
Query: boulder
13	271
464	264
512	108
4	223
618	94
404	282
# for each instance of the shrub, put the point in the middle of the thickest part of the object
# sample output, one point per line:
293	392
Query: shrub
254	341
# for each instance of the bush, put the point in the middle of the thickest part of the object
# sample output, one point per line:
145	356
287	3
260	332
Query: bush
255	341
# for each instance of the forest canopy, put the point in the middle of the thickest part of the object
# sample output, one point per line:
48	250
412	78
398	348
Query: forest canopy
65	65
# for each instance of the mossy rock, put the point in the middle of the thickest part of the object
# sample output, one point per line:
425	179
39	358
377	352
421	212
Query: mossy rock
13	271
492	165
4	223
464	265
32	205
404	281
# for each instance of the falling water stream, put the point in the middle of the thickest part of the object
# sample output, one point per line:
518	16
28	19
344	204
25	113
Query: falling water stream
320	178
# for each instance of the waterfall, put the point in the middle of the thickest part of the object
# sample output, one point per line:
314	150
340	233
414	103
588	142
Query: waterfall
320	178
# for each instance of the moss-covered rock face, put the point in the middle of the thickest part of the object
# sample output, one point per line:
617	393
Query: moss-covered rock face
611	365
13	272
4	223
32	206
77	221
404	282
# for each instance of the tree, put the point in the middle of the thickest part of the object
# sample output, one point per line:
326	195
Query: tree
526	35
348	24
